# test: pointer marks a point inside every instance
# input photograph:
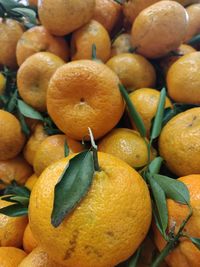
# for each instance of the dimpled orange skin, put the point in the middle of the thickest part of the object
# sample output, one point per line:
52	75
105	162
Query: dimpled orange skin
150	25
194	21
183	79
11	257
179	143
33	78
83	39
145	100
107	226
72	15
38	39
10	32
121	44
84	94
11	137
11	228
29	242
134	71
185	254
31	181
52	149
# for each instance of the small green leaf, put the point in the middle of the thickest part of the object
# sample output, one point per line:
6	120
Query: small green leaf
25	128
16	210
8	4
173	189
28	111
135	116
195	241
72	186
8	199
27	13
94	52
11	105
133	261
15	189
155	165
157	124
194	40
157	220
66	149
21	200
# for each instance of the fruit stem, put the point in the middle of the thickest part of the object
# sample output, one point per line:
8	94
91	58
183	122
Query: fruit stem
95	151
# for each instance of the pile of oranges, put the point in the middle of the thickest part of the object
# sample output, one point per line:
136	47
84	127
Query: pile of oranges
90	76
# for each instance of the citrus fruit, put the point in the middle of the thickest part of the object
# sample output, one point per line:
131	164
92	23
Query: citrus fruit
52	149
121	44
11	137
33	2
65	16
11	257
145	100
134	71
179	143
183	79
2	83
165	18
194	21
29	242
107	226
38	39
33	78
12	228
31	181
127	145
185	254
84	94
90	34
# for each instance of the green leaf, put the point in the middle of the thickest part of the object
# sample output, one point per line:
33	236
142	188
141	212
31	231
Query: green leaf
72	186
28	111
173	189
194	40
25	128
94	52
157	124
15	189
195	241
27	13
9	4
16	210
12	102
66	149
157	220
133	261
135	116
21	200
155	165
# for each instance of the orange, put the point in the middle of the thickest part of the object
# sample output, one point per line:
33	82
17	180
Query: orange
31	181
134	71
194	21
2	83
15	169
90	34
145	100
11	257
11	137
179	143
107	12
39	258
12	228
29	242
33	78
72	15
52	149
38	39
183	79
105	228
33	2
34	141
84	94
185	254
127	145
122	44
10	32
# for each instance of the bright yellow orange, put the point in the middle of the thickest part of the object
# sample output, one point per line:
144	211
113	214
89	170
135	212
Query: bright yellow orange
84	94
83	39
134	71
12	228
2	83
11	257
194	21
145	100
183	79
52	149
185	254
31	181
105	228
179	143
33	78
38	39
29	242
122	44
11	137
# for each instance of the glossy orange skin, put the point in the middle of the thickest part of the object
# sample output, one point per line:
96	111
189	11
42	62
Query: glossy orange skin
11	257
194	21
29	242
121	44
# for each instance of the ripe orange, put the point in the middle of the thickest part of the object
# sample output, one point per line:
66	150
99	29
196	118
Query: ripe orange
11	257
121	44
179	143
12	228
33	2
183	79
31	181
194	21
52	149
38	39
134	71
33	78
63	17
11	137
29	242
83	39
185	254
10	32
84	94
107	226
145	100
2	83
